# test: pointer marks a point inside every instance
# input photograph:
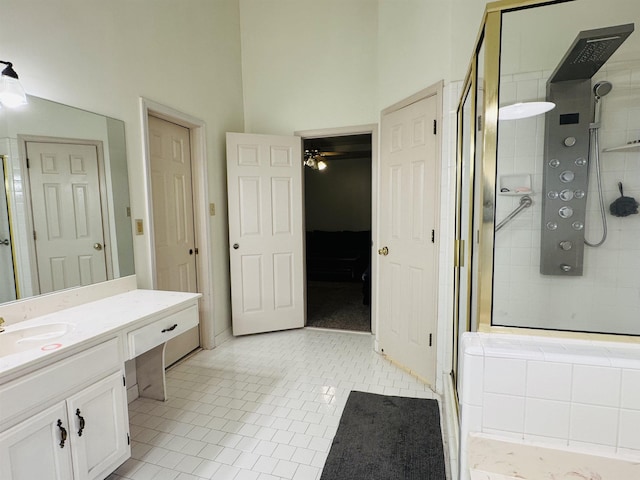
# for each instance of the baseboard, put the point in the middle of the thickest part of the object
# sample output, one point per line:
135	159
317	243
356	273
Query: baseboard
223	337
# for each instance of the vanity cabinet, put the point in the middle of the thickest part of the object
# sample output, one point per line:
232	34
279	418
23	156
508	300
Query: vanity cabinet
68	420
79	438
63	405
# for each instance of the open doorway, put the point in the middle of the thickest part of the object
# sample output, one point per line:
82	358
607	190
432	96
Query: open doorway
338	224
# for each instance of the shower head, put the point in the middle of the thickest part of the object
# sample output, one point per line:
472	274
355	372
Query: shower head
602	88
589	51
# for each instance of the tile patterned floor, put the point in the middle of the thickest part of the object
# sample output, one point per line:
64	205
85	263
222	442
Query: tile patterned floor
261	407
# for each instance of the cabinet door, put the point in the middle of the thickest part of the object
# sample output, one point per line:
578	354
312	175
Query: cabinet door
37	448
98	427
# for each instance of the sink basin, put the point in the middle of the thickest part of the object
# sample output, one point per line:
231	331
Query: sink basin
37	336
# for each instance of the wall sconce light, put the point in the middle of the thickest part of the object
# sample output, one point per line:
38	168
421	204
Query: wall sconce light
11	92
313	159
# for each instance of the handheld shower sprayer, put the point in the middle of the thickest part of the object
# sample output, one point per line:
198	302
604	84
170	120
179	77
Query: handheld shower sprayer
600	89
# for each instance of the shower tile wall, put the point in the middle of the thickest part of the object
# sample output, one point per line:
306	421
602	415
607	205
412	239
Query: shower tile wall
569	395
609	290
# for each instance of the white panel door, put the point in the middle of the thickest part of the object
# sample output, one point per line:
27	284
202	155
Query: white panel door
407	261
173	223
264	179
67	215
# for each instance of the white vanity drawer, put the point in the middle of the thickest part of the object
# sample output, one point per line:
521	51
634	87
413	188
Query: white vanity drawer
158	332
57	380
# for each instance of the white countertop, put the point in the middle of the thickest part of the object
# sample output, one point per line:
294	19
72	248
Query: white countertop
91	321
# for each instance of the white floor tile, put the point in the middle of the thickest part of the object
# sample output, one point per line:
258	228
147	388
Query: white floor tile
261	407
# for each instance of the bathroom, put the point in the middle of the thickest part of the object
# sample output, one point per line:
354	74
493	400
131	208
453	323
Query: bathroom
112	76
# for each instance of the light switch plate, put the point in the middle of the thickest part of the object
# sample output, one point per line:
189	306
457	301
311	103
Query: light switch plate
139	228
212	209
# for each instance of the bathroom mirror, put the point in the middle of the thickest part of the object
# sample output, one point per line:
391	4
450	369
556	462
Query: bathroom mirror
544	277
65	217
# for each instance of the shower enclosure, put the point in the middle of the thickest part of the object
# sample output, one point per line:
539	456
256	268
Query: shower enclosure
529	208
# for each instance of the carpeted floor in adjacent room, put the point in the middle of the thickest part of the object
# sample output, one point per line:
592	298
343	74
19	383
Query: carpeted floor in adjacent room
337	305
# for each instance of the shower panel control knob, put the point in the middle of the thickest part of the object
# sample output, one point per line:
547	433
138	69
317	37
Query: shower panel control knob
566	245
567	176
566	268
569	141
566	212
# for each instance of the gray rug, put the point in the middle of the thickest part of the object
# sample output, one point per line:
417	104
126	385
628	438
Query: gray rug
387	438
337	305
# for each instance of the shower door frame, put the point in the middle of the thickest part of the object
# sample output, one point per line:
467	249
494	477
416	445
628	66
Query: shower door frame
482	305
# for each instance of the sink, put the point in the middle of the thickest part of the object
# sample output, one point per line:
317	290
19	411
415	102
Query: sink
37	336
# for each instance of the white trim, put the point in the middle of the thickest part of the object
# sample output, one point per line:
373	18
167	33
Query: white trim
202	222
371	128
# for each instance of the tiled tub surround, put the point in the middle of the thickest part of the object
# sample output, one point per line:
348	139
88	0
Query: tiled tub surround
610	286
567	395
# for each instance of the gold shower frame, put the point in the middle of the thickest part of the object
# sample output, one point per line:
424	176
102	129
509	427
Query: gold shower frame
489	37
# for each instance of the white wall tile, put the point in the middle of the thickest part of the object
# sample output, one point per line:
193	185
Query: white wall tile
473	379
549	380
503	412
471	420
593	424
596	385
630	391
505	375
547	418
629	431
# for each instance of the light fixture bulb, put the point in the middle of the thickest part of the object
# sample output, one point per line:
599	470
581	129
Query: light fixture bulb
517	111
322	165
12	94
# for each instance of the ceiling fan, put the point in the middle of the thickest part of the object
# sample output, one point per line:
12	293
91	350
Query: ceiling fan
314	159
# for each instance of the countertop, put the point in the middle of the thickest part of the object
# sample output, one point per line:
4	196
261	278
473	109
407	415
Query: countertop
91	322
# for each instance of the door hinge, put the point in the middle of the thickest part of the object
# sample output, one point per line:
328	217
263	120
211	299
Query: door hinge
128	439
28	165
479	123
196	250
430	339
124	381
435	127
433	236
34	235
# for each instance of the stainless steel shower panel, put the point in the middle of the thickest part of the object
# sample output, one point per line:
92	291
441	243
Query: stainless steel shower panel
565	177
566	156
589	51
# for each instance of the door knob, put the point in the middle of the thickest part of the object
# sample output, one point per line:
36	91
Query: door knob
97	246
384	251
236	246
